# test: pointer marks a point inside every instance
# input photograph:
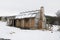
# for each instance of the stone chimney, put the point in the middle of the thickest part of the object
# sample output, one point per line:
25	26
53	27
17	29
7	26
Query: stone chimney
41	18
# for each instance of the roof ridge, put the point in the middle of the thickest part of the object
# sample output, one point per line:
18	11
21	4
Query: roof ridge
29	11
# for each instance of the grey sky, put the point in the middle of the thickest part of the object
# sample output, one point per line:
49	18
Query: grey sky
10	7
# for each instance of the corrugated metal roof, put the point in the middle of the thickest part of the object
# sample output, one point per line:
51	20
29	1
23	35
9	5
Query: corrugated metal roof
26	15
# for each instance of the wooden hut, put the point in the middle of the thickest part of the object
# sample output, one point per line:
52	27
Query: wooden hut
30	19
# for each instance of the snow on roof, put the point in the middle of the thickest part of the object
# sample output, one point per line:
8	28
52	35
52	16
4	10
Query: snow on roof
29	14
26	15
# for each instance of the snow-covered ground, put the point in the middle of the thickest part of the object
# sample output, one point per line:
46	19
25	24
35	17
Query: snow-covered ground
13	33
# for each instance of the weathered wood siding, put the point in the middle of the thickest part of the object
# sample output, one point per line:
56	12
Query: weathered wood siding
26	22
29	23
22	23
32	22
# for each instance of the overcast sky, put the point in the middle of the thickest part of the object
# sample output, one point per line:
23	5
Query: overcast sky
10	7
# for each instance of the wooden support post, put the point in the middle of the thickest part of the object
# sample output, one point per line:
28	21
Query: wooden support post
30	22
23	22
13	22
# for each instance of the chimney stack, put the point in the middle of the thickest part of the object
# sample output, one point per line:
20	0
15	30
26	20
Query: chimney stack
41	17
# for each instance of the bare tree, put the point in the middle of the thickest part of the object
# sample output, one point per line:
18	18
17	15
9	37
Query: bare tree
58	13
58	18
